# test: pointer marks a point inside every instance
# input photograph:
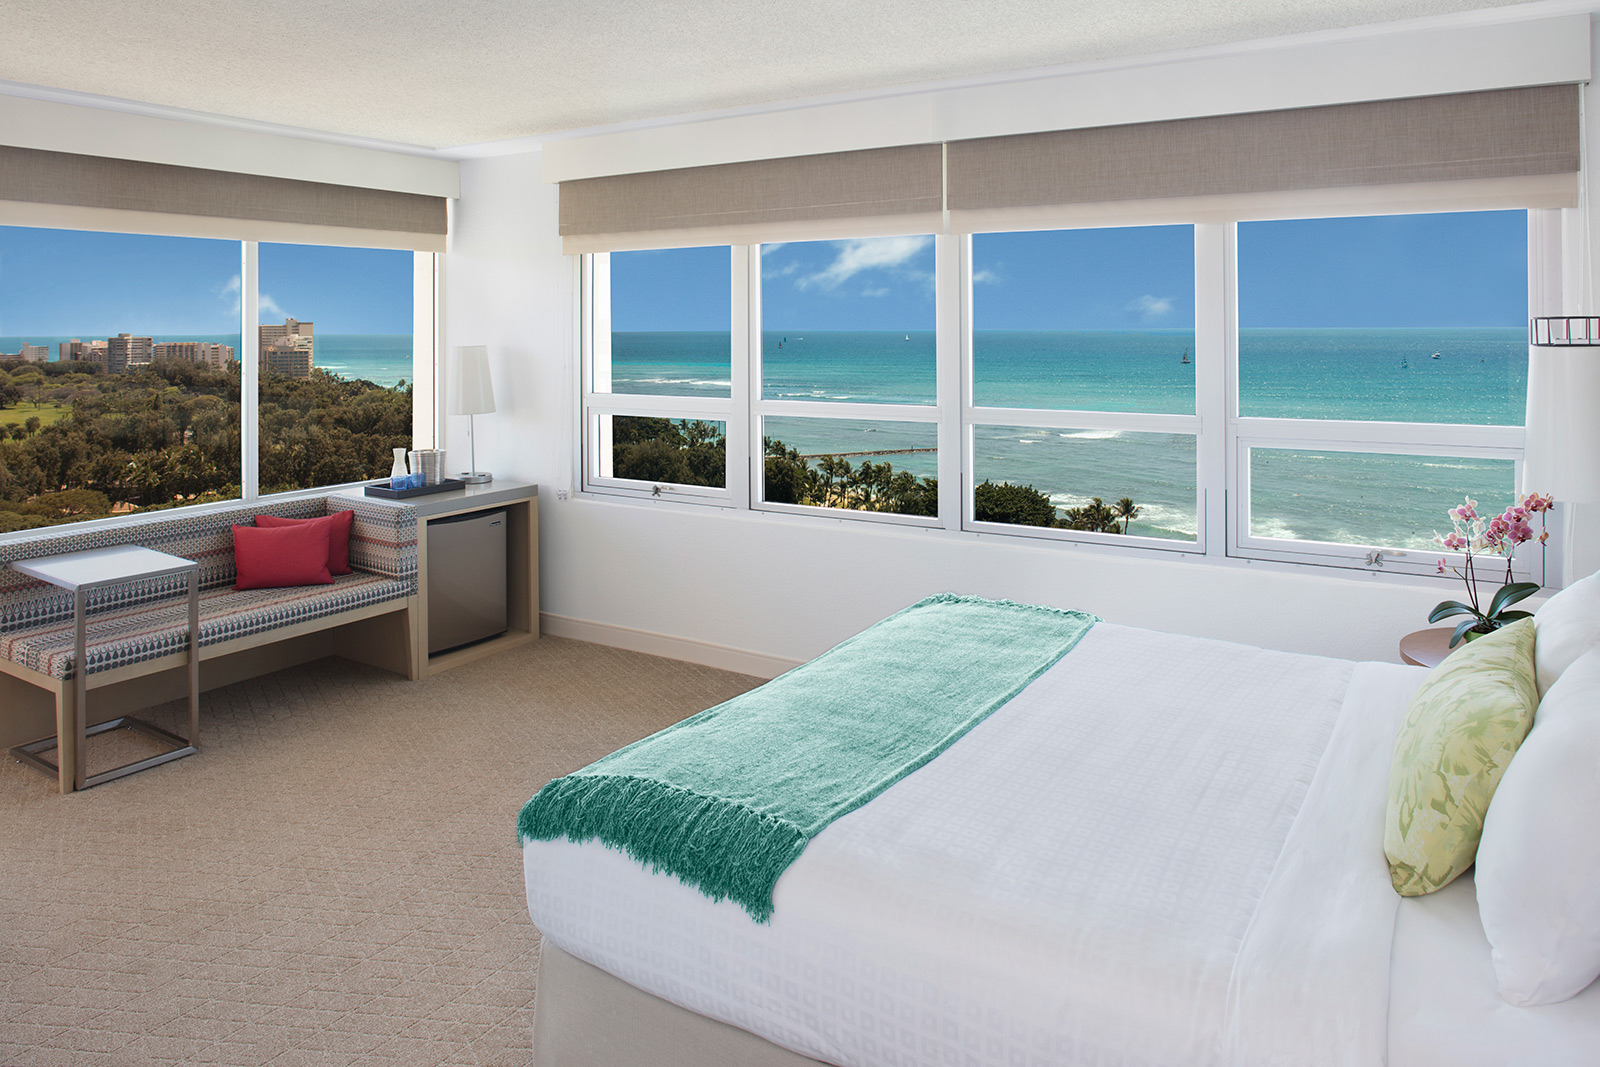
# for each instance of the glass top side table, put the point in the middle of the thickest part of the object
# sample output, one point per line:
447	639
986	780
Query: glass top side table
81	573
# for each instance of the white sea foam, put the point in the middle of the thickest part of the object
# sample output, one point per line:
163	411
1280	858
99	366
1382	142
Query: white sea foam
1092	435
1272	526
726	382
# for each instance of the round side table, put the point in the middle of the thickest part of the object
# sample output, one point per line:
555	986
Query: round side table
1426	648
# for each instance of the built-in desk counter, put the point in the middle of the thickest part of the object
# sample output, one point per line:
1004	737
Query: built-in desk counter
521	503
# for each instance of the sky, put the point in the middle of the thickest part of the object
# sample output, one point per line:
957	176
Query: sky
79	283
1458	269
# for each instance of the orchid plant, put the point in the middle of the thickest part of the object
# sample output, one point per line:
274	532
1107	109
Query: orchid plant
1476	537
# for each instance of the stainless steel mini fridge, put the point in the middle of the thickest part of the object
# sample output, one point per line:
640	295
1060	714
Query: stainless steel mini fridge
466	579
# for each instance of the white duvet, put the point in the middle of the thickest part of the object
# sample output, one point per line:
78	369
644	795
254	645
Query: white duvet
1164	851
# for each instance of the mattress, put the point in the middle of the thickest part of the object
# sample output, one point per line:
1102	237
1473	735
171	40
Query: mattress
1164	850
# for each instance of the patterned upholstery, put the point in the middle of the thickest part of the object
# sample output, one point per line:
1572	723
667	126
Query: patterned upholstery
148	631
139	621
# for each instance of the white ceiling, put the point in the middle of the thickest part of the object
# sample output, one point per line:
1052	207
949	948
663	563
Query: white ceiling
438	74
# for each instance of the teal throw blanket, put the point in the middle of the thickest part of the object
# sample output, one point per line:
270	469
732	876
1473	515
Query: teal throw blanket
727	799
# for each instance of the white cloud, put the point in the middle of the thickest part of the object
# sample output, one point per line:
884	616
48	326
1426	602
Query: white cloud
875	253
982	276
268	306
1152	307
875	292
780	272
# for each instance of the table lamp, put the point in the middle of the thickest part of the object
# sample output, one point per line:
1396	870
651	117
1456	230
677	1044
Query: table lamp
472	394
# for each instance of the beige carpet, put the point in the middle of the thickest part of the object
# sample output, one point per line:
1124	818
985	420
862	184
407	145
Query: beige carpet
334	879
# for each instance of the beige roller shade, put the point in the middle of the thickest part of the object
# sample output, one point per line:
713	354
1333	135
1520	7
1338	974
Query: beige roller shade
880	190
1529	133
254	207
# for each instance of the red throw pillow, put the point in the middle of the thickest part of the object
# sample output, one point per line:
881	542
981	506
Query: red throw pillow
273	558
338	525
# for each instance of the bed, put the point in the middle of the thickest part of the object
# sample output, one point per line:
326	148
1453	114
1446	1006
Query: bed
1162	850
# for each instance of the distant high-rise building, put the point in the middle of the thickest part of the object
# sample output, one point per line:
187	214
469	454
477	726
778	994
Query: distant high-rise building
29	354
125	351
212	355
288	349
83	351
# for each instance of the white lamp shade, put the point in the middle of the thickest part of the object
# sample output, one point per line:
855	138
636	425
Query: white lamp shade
471	391
1561	454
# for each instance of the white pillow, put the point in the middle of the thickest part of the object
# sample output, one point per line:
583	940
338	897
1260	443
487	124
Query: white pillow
1539	859
1567	625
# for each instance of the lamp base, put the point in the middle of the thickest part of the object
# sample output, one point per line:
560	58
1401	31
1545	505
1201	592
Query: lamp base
476	477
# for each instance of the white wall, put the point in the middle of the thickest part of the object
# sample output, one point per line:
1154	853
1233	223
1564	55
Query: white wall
504	283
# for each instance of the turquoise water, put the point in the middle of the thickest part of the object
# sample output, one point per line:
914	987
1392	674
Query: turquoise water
383	359
1479	378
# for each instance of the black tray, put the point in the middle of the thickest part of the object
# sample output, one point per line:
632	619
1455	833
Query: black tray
382	489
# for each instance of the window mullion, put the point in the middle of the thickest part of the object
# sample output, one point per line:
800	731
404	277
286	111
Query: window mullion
736	429
1214	354
747	399
424	350
249	370
952	294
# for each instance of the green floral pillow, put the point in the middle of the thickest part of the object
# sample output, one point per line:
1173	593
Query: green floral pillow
1460	732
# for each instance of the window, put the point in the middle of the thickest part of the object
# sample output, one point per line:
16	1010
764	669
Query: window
659	372
1382	377
122	376
335	339
1310	391
1083	343
119	376
847	359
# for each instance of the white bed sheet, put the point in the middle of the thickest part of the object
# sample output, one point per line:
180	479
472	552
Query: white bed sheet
1444	1007
953	920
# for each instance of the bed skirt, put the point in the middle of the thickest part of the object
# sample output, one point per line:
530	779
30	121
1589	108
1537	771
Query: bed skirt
583	1017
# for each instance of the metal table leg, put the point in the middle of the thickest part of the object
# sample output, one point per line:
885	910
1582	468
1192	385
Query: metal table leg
74	726
80	682
194	658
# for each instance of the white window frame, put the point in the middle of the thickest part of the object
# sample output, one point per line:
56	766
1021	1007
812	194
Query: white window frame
1223	439
594	453
761	409
973	416
1451	440
424	366
424	379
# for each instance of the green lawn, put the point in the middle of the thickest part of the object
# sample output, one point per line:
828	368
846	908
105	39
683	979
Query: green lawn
48	412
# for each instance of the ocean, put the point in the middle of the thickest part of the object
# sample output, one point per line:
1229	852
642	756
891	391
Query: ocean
1479	377
383	359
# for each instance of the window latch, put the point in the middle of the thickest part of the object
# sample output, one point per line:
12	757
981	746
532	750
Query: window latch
1376	557
655	490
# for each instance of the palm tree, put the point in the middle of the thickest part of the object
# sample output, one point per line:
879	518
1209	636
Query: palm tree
1126	511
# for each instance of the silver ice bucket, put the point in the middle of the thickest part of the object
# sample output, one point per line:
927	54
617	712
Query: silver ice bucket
428	462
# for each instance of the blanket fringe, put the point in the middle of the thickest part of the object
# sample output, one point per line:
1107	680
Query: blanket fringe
720	847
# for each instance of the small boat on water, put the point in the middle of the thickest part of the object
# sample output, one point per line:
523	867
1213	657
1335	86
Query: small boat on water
908	337
1434	356
1185	359
1404	363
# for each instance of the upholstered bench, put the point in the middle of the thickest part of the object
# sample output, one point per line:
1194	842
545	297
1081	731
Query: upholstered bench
142	627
